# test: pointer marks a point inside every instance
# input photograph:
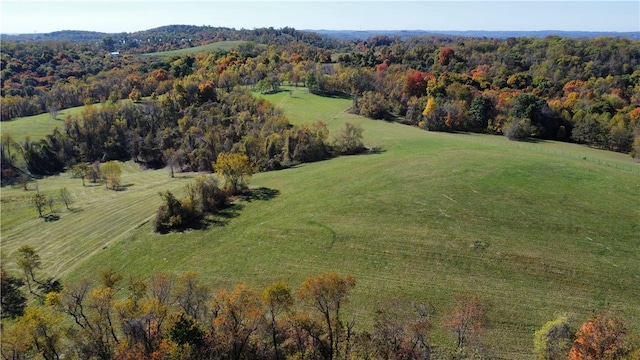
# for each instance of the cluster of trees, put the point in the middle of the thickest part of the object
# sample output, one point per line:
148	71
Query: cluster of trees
566	89
169	317
582	90
39	77
202	198
187	128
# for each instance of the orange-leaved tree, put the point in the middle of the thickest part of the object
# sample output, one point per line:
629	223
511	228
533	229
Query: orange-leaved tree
602	337
466	317
277	298
327	293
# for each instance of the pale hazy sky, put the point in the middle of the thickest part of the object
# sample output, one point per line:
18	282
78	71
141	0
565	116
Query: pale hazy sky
29	16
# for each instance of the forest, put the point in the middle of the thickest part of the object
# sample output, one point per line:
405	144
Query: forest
194	112
578	90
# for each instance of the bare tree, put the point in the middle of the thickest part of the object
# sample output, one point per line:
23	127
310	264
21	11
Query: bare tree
65	196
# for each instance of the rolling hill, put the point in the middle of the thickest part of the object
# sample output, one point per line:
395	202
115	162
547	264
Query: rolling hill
537	228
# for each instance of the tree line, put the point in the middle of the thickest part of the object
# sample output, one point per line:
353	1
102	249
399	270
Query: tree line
172	316
580	90
186	129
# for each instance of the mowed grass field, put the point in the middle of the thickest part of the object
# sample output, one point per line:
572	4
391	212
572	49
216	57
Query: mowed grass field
537	229
38	126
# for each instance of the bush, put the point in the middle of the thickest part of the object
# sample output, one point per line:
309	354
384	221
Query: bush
553	340
374	105
175	214
349	141
204	197
518	130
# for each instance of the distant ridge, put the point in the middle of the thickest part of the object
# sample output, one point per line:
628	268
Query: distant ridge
86	36
365	34
64	35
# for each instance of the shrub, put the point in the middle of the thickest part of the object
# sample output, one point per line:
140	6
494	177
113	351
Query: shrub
553	340
175	213
518	130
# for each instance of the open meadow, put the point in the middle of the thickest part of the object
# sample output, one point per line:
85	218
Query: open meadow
38	126
536	228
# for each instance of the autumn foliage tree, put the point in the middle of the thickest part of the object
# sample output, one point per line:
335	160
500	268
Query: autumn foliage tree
466	317
239	316
445	56
277	298
236	169
327	293
111	172
399	334
602	337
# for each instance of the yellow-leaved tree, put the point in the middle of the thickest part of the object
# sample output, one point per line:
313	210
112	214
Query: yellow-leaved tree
111	172
236	169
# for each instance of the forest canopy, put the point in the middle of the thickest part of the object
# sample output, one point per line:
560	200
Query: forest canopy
199	105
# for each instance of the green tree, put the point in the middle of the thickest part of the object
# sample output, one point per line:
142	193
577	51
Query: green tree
28	261
13	300
480	111
553	340
39	201
235	168
185	331
80	170
590	130
349	140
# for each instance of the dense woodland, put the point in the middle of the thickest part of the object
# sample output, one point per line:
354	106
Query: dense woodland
190	111
198	105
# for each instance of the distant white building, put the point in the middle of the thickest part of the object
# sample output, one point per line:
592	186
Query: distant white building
114	53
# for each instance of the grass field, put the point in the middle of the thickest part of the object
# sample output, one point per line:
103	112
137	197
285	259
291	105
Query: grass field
37	126
535	228
221	45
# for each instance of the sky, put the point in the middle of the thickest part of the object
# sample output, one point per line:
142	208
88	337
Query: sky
115	16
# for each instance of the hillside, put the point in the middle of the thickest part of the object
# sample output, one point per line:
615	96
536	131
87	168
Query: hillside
536	228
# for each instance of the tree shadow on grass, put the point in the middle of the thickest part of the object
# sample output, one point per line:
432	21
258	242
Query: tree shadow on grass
122	187
261	193
220	218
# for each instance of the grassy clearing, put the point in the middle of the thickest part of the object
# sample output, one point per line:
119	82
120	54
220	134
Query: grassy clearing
534	232
221	45
37	126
